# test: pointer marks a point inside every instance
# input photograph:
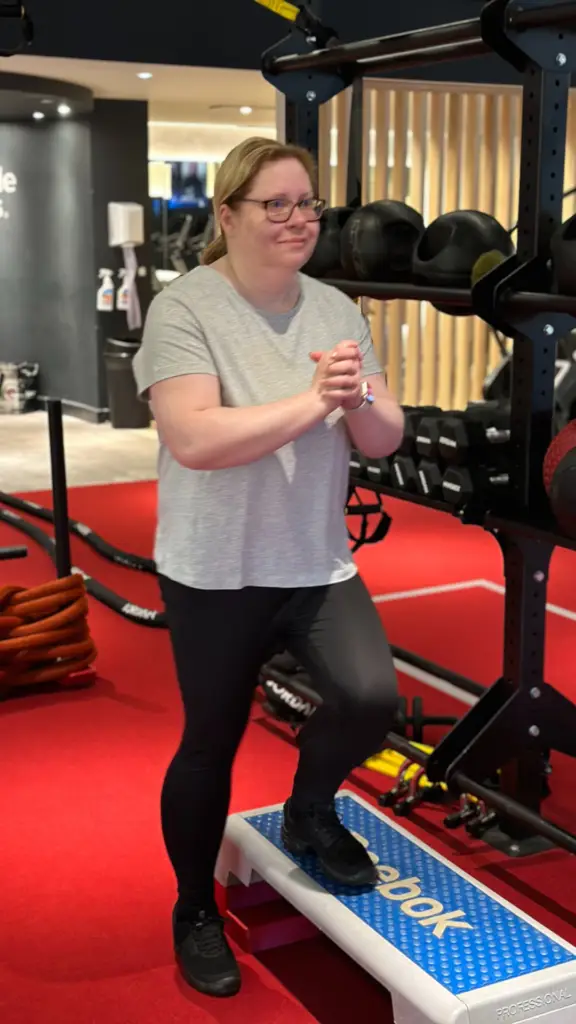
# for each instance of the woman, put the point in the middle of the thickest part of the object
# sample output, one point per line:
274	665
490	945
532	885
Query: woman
259	377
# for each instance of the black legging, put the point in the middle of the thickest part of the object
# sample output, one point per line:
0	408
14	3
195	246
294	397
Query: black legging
220	639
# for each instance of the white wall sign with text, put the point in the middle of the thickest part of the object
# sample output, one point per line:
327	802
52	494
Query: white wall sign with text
8	186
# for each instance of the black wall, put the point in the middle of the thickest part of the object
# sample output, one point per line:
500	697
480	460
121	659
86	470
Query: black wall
119	175
233	33
46	257
54	237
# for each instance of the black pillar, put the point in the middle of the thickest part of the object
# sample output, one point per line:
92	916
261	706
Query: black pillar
47	280
119	130
57	176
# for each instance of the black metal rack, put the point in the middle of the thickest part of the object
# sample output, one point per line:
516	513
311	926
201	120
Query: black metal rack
520	717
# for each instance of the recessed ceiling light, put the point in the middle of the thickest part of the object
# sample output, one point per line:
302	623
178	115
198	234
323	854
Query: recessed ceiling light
145	74
38	115
64	110
245	110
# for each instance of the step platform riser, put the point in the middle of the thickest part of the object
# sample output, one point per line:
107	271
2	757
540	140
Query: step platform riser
449	950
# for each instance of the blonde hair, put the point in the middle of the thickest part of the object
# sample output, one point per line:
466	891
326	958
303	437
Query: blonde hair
237	172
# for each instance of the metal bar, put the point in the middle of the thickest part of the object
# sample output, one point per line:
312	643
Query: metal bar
454	678
512	810
421	40
355	144
302	126
16	552
511	303
403	746
526	561
401	42
59	488
552	15
421	58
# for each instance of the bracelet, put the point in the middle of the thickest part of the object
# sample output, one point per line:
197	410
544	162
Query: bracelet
367	397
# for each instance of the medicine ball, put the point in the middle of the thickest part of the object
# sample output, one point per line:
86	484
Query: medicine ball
325	260
378	241
563	252
560	478
450	247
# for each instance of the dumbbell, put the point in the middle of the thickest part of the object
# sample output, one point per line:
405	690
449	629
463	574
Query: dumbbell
428	434
357	464
404	474
378	471
411	722
462	483
468	438
412	417
429	479
375	471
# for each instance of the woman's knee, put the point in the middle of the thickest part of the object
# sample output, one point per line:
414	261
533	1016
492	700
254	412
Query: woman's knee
371	693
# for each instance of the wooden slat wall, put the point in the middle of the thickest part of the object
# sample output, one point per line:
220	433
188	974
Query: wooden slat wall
438	149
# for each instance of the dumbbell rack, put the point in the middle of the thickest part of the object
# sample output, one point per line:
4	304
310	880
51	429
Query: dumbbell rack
520	716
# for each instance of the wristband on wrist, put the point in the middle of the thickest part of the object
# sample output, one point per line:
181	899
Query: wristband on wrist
367	398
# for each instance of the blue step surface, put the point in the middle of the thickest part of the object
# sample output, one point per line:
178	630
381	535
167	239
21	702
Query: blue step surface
443	922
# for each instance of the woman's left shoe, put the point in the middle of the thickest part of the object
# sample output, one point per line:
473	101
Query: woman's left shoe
319	830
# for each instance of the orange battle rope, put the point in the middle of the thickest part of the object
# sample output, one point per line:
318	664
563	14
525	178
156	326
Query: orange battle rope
44	634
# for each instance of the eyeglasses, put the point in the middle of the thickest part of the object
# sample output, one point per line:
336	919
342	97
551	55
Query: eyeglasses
280	210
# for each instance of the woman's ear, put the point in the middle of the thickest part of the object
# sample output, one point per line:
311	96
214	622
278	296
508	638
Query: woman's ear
225	218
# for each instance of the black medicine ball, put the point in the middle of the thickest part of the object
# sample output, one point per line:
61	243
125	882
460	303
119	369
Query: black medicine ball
325	260
563	252
378	241
450	246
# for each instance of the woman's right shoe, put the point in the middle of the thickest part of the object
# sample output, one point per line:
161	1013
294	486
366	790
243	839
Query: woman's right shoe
205	959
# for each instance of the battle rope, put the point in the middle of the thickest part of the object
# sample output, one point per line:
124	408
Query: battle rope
44	634
138	562
107	597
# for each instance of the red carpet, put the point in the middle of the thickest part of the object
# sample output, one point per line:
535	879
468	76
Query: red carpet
87	891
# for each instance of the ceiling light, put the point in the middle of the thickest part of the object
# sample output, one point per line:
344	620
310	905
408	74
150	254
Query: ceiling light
64	110
38	115
245	110
145	74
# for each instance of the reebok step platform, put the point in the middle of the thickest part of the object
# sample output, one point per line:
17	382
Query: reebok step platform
448	950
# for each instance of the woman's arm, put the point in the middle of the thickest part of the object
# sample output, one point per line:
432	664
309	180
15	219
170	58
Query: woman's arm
201	434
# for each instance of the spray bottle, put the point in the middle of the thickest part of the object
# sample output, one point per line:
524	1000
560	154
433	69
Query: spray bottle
123	294
105	295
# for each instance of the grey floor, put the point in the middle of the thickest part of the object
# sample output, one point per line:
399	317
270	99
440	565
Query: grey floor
95	454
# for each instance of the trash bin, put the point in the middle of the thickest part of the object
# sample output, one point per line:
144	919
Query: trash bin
127	412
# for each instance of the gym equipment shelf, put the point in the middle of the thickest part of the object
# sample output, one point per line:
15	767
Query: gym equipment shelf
539	41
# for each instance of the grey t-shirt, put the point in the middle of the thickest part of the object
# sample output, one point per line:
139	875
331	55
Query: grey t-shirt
279	521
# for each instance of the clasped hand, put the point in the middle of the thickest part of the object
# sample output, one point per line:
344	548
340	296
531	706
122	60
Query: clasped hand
338	377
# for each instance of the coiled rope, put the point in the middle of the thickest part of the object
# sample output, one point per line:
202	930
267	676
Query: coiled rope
44	633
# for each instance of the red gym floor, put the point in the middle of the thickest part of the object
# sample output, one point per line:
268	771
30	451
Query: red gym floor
87	892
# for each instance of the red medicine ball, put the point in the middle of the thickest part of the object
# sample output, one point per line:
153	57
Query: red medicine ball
560	478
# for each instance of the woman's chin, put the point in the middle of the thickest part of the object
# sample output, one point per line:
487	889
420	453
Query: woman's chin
295	256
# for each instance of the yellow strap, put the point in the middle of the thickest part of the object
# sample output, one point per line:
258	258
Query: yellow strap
281	7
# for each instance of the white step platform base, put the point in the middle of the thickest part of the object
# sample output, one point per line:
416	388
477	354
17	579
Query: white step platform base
448	949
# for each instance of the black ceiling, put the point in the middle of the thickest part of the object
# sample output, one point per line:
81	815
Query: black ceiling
22	95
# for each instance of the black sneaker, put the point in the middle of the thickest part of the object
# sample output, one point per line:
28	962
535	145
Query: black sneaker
204	956
320	831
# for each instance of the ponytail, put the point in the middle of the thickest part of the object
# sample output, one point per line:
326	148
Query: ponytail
214	251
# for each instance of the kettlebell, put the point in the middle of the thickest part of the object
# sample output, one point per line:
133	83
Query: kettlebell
563	253
325	260
378	241
450	247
